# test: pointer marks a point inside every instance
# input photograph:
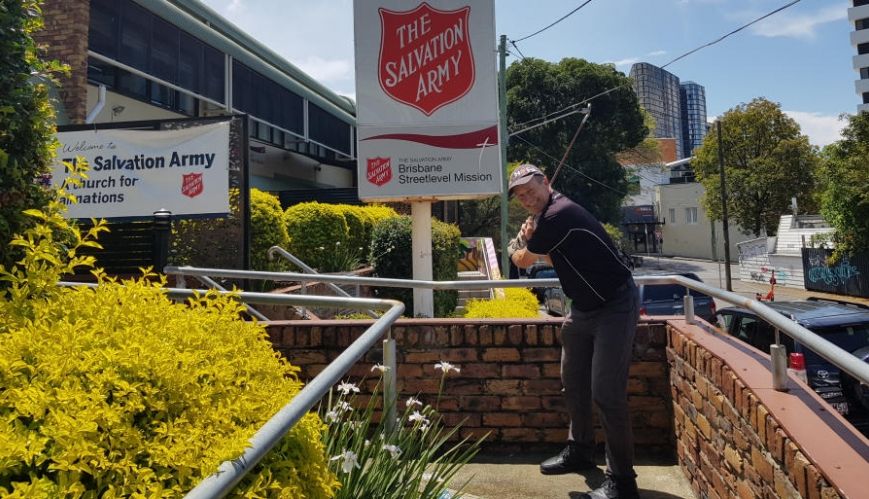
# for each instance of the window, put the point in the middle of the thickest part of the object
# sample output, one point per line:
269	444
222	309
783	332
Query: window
859	3
128	33
864	73
865	97
672	215
135	36
863	48
690	215
328	130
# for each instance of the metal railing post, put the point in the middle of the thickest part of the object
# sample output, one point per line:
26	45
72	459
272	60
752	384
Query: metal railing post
162	234
390	392
689	309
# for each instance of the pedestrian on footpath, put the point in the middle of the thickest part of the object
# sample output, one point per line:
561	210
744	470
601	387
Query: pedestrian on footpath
598	333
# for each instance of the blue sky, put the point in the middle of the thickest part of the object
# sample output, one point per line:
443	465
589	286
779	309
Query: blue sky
800	57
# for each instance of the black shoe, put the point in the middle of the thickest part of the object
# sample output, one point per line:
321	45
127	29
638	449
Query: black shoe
569	460
615	488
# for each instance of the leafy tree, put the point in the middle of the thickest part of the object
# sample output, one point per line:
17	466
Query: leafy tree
591	175
766	162
26	120
845	186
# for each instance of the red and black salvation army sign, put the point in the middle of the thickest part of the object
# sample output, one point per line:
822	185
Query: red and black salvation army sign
425	56
191	184
379	171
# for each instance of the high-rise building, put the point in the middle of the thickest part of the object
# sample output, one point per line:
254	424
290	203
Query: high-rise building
658	93
693	103
859	15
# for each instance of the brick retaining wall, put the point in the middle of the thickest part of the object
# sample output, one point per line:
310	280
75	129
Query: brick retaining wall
509	383
736	437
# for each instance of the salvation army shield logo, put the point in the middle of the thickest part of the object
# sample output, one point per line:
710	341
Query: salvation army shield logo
425	56
191	184
379	171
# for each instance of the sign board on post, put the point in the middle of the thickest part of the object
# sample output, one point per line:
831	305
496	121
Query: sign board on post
427	102
133	173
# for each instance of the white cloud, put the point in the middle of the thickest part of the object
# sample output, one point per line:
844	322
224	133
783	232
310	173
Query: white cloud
805	25
657	53
821	129
624	62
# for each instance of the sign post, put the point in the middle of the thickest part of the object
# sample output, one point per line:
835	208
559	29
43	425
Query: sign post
427	110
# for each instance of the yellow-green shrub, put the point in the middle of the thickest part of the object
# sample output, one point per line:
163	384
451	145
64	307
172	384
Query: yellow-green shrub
317	232
518	303
267	229
358	237
117	391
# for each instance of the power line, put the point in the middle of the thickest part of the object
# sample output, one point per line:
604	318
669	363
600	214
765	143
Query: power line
686	54
517	48
556	22
737	30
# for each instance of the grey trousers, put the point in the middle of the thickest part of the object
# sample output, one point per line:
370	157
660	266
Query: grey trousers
595	359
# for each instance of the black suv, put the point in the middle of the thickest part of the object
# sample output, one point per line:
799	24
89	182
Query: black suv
844	324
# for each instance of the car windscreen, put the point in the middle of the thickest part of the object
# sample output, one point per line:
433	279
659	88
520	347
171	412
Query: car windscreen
849	338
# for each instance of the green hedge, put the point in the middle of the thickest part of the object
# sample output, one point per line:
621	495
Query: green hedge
117	391
318	235
267	229
517	303
391	257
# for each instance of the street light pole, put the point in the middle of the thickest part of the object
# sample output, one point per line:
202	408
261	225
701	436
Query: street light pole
724	224
502	92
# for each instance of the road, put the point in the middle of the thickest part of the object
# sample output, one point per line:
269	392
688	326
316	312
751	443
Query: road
713	273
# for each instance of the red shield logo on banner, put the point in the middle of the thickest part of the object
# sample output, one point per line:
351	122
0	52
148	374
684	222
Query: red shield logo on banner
425	56
191	184
379	171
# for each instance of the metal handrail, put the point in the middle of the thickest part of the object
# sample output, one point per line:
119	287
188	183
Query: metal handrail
832	353
231	472
277	250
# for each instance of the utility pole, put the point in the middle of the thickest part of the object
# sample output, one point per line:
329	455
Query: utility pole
502	92
724	225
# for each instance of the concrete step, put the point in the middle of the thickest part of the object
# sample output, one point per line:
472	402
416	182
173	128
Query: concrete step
473	275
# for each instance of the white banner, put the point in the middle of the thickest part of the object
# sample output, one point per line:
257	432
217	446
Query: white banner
133	173
427	101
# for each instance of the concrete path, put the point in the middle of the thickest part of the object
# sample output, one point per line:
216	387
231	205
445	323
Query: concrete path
518	477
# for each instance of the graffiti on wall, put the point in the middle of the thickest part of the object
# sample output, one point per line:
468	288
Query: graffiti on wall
849	275
819	271
751	249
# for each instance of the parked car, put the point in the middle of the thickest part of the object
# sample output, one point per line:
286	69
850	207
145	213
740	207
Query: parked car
843	324
542	271
669	299
555	302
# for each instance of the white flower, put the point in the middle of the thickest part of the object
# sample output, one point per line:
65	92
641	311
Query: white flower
332	416
348	462
355	424
446	367
321	248
416	416
337	243
346	388
392	449
379	367
423	427
412	402
343	407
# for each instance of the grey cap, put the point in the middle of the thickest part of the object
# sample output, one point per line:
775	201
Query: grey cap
522	175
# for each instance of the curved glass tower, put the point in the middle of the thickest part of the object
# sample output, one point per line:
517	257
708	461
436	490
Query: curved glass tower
693	103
